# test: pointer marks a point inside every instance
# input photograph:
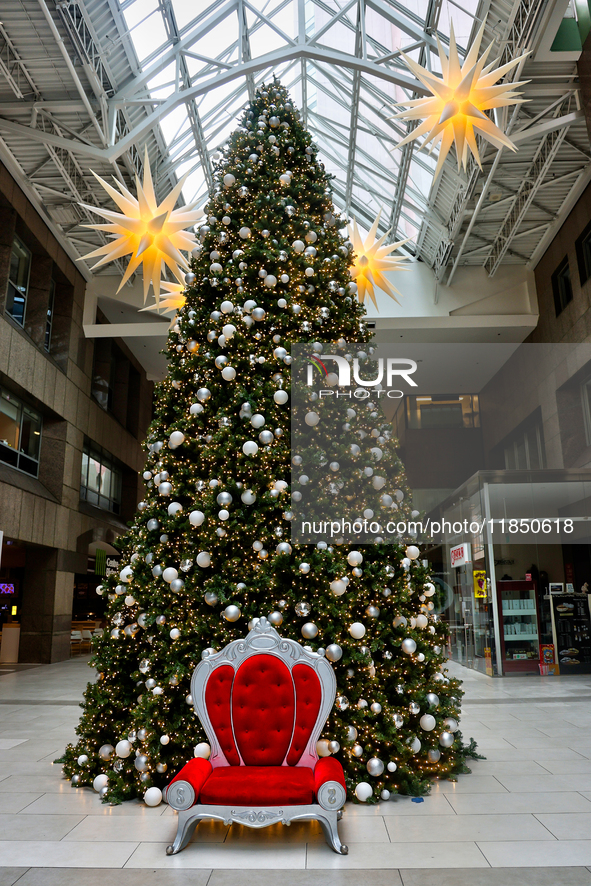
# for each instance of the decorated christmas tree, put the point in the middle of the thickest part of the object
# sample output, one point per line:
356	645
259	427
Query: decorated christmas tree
210	548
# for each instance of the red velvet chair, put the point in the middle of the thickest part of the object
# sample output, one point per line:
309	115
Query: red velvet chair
263	702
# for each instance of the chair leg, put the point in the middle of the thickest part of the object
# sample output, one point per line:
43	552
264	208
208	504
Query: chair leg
186	827
328	822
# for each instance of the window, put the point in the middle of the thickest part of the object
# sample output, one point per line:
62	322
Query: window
561	286
49	318
525	452
583	247
101	479
18	281
20	434
443	411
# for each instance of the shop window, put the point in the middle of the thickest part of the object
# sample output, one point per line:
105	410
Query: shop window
18	281
20	434
101	479
525	452
49	317
583	247
562	287
443	411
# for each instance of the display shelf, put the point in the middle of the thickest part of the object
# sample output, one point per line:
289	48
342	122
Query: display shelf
519	612
522	636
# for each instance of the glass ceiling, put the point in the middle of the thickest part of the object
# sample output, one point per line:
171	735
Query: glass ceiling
348	85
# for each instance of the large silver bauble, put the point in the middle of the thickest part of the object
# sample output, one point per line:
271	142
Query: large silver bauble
375	766
433	755
357	750
275	618
409	646
141	763
334	652
309	630
211	598
351	733
106	752
432	699
450	724
232	613
446	739
414	708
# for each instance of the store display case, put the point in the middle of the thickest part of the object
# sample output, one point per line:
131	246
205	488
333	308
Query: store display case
519	626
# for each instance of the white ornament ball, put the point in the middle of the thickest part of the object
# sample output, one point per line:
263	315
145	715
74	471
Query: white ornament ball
363	791
174	508
338	587
106	752
100	782
202	750
250	447
446	739
312	419
126	574
433	755
229	180
428	722
175	439
450	724
170	574
354	558
175	634
385	795
248	497
392	766
258	420
412	552
309	630
409	646
123	748
357	630
203	559
298	245
322	748
415	745
153	797
82	760
196	518
165	739
280	397
422	621
228	373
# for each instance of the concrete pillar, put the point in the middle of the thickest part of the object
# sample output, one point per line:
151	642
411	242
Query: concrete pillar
46	618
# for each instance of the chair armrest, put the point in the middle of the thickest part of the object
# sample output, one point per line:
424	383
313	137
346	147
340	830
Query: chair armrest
183	791
329	783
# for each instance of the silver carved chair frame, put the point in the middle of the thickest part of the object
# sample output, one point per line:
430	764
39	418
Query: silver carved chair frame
331	795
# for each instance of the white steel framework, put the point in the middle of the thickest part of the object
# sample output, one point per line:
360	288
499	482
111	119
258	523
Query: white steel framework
86	84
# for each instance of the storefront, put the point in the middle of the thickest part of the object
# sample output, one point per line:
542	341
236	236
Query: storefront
514	603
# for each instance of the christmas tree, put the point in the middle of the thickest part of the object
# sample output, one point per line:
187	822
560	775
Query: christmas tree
209	549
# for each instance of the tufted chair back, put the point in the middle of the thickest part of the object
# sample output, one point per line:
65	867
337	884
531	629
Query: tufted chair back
263	701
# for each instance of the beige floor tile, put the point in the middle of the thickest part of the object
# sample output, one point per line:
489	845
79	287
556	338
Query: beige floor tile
363	856
462	828
536	854
52	854
142	829
210	855
37	827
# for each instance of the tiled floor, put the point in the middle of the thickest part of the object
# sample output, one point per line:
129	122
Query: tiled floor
523	818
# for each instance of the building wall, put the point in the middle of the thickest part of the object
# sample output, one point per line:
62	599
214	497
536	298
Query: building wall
46	514
573	324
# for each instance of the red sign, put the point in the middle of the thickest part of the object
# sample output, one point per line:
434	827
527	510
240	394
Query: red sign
460	555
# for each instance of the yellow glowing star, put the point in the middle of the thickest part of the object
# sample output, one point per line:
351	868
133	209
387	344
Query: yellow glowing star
153	234
373	258
460	96
173	303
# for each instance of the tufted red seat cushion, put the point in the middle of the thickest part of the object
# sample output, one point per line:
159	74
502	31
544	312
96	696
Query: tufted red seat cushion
259	786
263	709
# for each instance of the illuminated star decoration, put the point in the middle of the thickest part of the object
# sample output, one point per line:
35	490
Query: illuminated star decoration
373	258
460	96
173	303
153	234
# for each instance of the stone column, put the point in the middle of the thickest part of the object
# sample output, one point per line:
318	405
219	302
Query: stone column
46	618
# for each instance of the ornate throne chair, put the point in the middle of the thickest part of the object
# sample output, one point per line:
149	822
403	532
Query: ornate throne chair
263	702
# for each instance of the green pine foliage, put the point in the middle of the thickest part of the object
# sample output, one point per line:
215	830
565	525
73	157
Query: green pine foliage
221	519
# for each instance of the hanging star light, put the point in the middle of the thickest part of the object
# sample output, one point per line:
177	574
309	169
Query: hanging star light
173	304
153	234
373	258
460	96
